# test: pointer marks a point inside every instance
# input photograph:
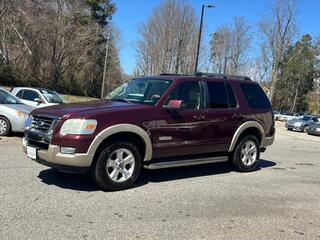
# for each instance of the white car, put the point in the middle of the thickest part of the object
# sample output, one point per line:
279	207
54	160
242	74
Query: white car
287	116
37	97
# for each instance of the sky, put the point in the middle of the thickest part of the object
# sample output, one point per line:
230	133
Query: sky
130	13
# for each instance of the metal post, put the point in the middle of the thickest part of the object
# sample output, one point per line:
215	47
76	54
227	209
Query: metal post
199	40
105	65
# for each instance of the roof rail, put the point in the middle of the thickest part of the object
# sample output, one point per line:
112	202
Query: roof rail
171	74
224	76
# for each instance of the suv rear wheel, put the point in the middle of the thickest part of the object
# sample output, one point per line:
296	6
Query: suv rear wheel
118	166
246	154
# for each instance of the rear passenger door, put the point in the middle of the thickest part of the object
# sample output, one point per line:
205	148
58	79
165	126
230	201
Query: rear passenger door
222	113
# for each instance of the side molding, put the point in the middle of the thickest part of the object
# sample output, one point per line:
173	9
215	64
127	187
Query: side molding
240	130
123	128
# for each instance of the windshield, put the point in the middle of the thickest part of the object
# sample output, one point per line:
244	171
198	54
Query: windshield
144	91
52	96
7	98
305	118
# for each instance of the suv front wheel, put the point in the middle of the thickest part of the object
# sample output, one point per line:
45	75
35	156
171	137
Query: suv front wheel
246	154
118	166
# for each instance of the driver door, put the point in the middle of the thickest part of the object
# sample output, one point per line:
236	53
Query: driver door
181	131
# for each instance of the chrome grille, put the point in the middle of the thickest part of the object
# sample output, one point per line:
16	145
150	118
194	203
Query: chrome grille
41	123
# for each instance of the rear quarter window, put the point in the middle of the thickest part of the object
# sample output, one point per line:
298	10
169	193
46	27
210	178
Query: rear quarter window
255	96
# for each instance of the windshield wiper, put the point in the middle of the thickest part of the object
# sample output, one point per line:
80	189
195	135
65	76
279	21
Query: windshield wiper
121	100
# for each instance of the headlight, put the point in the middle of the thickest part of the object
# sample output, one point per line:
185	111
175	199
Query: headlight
28	123
22	114
297	124
317	129
78	127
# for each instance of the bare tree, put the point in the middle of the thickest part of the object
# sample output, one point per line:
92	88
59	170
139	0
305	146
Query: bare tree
168	39
278	31
220	49
229	46
56	44
240	43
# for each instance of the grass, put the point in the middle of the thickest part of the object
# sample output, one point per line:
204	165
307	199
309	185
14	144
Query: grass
71	99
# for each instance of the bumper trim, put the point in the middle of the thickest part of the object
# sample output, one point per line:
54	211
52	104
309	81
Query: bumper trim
63	168
54	158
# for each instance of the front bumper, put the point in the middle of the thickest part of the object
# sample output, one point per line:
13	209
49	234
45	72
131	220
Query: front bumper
293	127
52	157
313	132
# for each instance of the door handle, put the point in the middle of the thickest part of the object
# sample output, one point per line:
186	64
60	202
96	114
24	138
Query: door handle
199	117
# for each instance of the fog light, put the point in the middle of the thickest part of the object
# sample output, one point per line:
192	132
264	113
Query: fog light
68	150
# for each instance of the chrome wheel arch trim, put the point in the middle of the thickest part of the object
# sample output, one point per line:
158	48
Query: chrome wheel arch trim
243	127
120	128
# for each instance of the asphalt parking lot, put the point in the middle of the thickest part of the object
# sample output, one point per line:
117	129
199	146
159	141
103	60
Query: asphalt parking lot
281	200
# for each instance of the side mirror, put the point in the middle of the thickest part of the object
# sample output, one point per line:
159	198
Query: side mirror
38	100
174	104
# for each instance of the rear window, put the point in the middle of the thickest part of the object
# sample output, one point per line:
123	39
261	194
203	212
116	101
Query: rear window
255	96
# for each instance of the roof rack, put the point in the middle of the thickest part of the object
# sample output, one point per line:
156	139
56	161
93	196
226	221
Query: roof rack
224	76
171	74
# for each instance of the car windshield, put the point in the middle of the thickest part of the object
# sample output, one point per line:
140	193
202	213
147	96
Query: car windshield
7	98
52	96
144	91
305	118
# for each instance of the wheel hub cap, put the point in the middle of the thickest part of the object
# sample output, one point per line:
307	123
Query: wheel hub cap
120	165
3	126
249	153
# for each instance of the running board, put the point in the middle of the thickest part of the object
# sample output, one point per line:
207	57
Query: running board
187	162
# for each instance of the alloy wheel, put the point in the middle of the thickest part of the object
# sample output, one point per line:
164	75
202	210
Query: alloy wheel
120	165
3	126
249	153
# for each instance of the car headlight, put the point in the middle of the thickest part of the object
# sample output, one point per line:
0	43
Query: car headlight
317	129
78	127
22	114
298	124
28	123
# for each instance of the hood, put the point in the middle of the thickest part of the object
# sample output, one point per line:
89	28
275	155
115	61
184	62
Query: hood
84	108
19	107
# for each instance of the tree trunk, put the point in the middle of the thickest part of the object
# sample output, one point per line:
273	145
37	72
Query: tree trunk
274	79
295	100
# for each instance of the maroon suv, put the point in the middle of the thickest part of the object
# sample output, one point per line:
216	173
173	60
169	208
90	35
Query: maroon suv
154	122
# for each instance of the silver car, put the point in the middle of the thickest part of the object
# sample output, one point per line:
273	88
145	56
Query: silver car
13	113
314	129
301	124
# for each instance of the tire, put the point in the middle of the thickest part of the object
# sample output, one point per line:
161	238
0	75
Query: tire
240	161
113	178
289	129
305	129
5	126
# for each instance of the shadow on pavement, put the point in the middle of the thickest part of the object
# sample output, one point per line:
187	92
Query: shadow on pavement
83	182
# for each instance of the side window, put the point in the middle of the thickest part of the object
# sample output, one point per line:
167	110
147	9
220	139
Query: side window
218	96
30	95
231	96
255	95
19	94
189	93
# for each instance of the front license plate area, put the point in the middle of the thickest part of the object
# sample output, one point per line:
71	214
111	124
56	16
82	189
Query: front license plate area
32	152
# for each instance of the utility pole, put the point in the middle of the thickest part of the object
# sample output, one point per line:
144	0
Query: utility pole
105	64
199	38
